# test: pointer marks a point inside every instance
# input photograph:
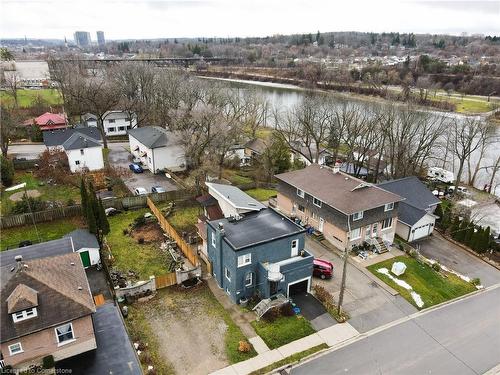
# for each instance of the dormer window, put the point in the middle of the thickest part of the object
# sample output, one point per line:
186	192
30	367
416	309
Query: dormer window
389	206
24	314
357	215
317	202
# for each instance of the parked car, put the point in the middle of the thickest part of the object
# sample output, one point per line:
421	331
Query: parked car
322	269
111	211
158	189
25	243
136	168
140	191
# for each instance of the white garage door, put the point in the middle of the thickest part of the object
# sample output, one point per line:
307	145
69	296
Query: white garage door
420	232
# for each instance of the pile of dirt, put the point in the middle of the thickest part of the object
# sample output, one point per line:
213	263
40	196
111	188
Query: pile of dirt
150	232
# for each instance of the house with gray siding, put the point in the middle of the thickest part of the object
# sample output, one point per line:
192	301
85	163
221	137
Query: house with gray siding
259	253
346	210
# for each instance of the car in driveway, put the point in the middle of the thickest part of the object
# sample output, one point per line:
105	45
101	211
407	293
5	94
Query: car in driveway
322	269
158	189
136	168
140	191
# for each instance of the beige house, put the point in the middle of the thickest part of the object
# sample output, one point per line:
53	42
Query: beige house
346	210
46	309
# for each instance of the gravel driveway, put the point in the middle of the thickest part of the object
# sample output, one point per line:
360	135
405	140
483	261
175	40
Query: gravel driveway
119	156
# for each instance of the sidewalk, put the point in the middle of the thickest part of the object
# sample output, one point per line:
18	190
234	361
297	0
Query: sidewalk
331	336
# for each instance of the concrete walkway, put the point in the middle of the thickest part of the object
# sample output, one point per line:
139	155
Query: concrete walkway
330	336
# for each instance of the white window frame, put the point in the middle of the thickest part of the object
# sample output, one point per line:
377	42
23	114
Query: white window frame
303	208
249	283
24	314
357	215
315	200
111	121
389	207
213	239
390	223
294	246
18	351
59	343
226	272
351	234
244	260
300	193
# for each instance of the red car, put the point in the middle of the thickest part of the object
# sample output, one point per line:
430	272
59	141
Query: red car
322	269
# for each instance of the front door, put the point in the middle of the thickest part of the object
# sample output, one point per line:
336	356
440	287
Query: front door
367	232
321	224
375	230
273	288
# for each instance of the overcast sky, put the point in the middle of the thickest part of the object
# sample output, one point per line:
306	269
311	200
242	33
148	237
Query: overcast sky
123	19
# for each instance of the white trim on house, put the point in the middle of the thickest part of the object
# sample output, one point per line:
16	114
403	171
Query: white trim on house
24	314
60	343
246	259
11	353
299	281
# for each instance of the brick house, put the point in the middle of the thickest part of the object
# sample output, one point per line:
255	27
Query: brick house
337	204
46	309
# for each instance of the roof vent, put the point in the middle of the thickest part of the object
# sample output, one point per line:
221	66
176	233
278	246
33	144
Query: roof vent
80	288
347	178
72	263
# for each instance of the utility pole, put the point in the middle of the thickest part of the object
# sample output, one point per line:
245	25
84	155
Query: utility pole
344	268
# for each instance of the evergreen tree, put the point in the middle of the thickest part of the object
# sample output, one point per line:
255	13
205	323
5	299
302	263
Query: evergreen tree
103	225
439	212
455	226
485	243
476	239
460	236
91	221
7	171
469	233
83	197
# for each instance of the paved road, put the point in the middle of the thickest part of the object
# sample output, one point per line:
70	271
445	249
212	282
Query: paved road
458	259
26	151
119	156
367	303
460	338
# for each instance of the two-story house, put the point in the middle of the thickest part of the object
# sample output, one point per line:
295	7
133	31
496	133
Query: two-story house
114	123
46	309
347	210
258	252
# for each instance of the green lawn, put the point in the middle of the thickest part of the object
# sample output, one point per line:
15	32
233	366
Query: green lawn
145	259
26	97
59	193
261	194
236	178
432	286
184	218
283	330
51	230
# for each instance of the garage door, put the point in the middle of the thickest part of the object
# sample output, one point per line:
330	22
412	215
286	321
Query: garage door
298	287
421	232
85	258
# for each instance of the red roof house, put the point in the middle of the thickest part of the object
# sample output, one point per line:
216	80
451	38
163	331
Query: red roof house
49	121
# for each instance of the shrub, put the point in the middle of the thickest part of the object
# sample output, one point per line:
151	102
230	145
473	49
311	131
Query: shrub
7	171
125	232
244	346
287	310
323	295
271	315
476	281
413	253
139	221
27	204
48	362
140	241
436	267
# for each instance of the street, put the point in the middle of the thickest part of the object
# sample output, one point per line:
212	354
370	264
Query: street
28	151
459	338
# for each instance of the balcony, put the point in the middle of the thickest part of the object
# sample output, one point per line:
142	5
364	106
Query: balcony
275	271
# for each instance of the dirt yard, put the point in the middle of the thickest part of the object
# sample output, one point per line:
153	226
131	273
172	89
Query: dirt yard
150	232
189	329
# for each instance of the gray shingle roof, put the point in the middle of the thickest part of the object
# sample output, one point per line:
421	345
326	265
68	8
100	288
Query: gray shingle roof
82	238
154	136
78	141
415	192
58	137
256	227
236	197
408	214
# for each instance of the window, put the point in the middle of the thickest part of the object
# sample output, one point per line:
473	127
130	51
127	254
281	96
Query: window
111	130
213	239
317	202
121	128
300	193
243	260
249	279
227	273
357	216
25	314
228	292
111	121
295	248
387	223
149	158
15	348
77	162
82	152
355	234
64	333
389	207
301	208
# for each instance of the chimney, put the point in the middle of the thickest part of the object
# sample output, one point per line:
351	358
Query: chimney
336	167
221	228
19	263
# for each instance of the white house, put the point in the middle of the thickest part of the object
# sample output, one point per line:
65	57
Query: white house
325	156
415	214
157	149
115	122
238	151
82	146
85	243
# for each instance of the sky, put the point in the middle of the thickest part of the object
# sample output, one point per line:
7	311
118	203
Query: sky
140	19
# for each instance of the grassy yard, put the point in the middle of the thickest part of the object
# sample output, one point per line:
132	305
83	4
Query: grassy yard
145	259
283	330
58	193
184	218
48	231
235	177
26	97
200	327
433	287
261	194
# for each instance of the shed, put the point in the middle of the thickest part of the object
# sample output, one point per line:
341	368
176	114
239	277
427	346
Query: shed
86	244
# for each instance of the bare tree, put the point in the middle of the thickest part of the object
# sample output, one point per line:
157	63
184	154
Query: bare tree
12	84
9	120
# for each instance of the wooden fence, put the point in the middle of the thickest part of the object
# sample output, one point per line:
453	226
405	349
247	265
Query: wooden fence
164	281
72	211
170	230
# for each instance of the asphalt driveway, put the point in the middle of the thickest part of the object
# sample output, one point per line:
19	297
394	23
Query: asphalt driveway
368	305
114	353
313	311
119	156
454	257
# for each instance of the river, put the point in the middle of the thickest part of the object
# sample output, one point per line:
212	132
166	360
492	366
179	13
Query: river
284	97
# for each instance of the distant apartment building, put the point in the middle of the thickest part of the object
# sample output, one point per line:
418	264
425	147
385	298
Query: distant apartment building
100	38
82	38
